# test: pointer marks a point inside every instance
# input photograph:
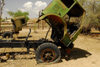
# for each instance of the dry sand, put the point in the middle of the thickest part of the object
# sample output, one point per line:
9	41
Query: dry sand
86	53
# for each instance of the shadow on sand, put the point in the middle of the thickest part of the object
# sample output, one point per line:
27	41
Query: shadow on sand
77	53
23	37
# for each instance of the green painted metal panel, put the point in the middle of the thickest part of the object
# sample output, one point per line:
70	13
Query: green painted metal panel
56	7
66	40
60	8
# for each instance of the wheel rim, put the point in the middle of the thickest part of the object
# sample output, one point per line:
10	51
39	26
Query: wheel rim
48	55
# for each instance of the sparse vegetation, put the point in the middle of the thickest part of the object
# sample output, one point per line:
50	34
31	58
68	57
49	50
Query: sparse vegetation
2	3
19	13
92	18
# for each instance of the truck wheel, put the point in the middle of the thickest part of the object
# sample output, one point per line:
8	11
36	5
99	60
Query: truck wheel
48	53
7	34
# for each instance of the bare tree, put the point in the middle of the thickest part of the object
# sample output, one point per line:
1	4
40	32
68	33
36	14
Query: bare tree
82	1
1	8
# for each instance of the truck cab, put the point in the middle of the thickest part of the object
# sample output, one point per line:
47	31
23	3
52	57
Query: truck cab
54	14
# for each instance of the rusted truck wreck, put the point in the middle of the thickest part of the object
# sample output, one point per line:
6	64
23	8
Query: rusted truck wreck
64	33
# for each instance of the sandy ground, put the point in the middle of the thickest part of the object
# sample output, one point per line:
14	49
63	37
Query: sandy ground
86	53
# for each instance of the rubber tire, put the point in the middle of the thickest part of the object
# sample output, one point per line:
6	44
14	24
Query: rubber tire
51	46
9	34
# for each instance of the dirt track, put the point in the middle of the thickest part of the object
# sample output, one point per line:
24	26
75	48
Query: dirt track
85	54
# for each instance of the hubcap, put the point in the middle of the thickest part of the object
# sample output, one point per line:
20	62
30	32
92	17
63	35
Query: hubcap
48	55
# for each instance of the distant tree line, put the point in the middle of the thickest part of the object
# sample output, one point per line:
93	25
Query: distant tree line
18	14
2	3
92	18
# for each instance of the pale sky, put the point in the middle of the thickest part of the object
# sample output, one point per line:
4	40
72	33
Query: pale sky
31	6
